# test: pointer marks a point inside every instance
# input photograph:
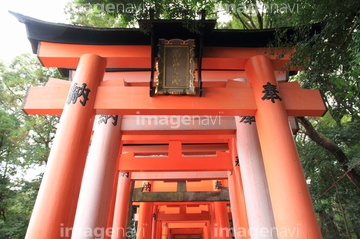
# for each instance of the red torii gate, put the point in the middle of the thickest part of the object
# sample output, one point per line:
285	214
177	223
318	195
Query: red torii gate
89	188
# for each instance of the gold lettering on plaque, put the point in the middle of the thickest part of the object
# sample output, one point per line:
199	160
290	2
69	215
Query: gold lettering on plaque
175	67
176	54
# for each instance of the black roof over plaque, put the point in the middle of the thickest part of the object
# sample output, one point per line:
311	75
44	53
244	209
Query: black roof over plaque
38	30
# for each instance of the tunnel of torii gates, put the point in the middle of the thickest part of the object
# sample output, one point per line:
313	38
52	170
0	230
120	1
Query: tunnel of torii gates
195	134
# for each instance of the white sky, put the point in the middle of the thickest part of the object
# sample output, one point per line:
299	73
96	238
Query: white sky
13	40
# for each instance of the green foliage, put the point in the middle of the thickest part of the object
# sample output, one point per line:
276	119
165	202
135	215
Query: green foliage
126	13
34	131
25	141
338	208
246	14
249	14
330	55
18	209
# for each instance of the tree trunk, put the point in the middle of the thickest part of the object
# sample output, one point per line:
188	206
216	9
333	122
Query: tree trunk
332	148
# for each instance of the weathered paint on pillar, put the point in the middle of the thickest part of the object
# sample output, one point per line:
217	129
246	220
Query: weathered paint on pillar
98	179
256	192
293	211
55	207
120	222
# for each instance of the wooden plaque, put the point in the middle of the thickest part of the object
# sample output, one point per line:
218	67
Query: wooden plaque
176	67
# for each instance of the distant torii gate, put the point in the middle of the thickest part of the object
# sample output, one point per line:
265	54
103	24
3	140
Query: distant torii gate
192	157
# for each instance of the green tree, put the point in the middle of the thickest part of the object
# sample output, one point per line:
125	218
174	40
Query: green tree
335	200
126	13
25	141
330	57
247	14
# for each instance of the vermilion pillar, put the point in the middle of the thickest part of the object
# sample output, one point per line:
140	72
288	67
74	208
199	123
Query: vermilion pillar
153	223
145	214
234	204
158	229
213	225
110	220
99	176
222	226
54	210
223	229
293	211
206	231
121	210
144	228
259	211
241	223
165	231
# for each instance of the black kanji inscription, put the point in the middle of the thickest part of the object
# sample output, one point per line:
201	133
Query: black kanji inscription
124	174
78	91
104	119
218	184
237	162
247	119
270	93
146	187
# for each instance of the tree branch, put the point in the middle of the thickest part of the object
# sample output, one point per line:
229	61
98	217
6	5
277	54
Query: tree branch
332	148
246	26
259	17
249	17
